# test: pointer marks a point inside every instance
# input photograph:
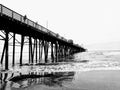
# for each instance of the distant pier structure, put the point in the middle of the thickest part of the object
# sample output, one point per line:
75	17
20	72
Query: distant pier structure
38	39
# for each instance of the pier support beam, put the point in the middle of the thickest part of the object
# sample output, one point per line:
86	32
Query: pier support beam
6	52
60	51
46	46
3	53
42	45
13	63
65	51
30	51
33	51
39	51
52	55
21	51
36	49
56	51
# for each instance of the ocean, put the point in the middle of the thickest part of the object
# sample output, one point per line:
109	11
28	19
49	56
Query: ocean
90	70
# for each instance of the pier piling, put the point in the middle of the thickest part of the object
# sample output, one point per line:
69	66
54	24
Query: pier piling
21	51
13	63
6	51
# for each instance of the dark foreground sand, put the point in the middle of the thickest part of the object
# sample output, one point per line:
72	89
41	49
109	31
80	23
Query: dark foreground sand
89	80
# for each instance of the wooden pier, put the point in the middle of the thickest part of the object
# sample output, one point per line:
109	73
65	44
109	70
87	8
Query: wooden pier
38	39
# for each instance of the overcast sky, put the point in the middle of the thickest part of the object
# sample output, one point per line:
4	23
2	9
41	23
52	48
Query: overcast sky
84	21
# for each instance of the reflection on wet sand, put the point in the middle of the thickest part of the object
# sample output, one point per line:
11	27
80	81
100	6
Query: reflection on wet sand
22	81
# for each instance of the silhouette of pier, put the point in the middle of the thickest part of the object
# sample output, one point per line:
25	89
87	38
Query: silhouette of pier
38	39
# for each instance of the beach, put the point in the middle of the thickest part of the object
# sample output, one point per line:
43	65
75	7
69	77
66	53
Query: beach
85	71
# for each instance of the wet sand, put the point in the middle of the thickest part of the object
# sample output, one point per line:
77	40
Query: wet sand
86	80
97	80
90	80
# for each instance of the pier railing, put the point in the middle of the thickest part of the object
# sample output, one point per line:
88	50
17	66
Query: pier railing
14	15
